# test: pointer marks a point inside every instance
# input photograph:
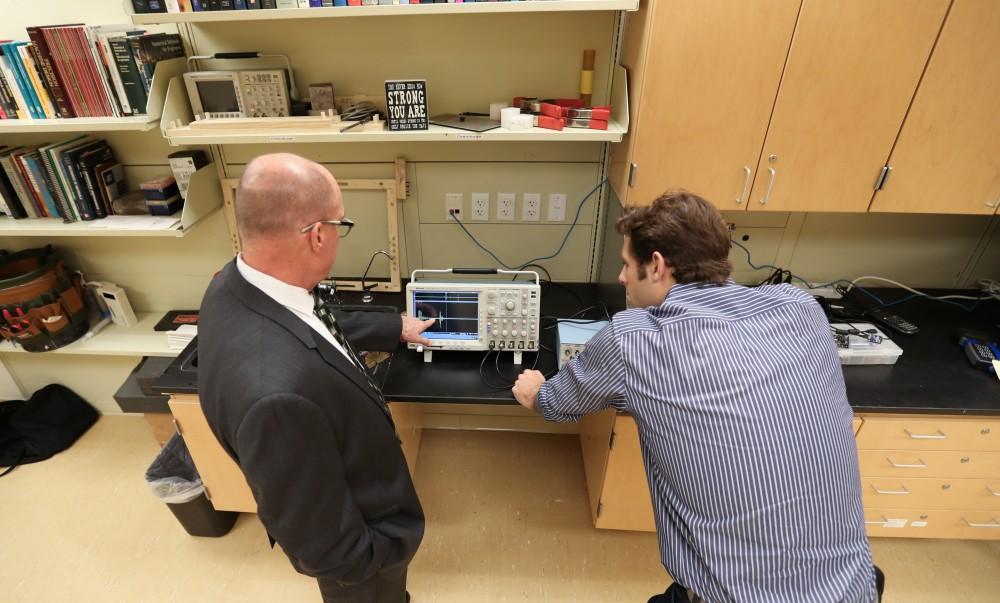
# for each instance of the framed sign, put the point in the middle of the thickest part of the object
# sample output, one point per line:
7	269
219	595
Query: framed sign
406	104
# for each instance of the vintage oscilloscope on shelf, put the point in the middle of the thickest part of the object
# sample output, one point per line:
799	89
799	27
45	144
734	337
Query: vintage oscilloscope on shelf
241	93
476	316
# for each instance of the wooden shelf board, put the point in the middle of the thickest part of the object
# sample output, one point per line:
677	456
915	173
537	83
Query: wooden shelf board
388	10
183	136
140	123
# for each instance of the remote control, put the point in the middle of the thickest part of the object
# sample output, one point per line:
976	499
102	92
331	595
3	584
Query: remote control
895	322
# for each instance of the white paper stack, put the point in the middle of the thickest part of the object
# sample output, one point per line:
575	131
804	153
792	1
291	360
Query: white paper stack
181	336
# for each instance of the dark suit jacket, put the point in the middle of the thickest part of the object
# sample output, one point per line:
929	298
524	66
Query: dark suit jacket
320	454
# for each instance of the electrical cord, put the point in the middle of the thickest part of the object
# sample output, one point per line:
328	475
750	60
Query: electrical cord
496	362
852	285
989	292
576	219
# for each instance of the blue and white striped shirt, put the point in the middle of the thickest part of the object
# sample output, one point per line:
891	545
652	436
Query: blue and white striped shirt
746	436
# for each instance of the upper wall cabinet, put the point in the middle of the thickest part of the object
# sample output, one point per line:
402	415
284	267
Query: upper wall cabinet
772	105
947	158
702	81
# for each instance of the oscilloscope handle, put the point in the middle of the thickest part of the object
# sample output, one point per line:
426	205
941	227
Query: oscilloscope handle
413	275
230	56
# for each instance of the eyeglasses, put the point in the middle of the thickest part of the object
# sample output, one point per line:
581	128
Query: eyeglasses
343	225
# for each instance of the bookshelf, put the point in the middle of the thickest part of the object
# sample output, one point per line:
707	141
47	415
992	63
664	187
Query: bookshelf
204	198
163	73
115	340
389	10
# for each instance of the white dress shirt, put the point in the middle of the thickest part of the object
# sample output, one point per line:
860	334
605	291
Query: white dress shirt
298	301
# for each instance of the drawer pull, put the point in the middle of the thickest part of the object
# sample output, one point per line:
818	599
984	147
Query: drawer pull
883	522
994	524
917	436
902	490
992	491
920	464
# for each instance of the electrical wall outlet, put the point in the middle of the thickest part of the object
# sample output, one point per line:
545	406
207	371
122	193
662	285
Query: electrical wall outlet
531	211
453	205
505	206
480	207
557	207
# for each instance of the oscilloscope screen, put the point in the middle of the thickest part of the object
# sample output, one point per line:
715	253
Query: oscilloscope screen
456	313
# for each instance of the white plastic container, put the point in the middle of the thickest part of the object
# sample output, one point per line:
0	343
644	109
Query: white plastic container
861	351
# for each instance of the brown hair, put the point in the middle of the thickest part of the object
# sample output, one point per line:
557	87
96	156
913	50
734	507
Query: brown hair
688	231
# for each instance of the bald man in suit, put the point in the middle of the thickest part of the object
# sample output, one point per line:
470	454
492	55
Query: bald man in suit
288	398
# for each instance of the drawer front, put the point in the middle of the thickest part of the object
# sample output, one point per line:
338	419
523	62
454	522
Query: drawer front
927	463
929	433
929	493
913	523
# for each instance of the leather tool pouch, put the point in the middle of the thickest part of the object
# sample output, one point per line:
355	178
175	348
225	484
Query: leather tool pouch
41	302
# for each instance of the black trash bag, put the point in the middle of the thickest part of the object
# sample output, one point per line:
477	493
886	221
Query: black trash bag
172	476
49	422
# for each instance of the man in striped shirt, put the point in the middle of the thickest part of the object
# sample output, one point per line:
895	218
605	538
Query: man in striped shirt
742	414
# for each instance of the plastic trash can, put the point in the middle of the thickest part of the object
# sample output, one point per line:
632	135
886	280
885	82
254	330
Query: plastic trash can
173	479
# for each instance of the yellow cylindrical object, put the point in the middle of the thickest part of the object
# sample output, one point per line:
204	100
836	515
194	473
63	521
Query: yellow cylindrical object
586	82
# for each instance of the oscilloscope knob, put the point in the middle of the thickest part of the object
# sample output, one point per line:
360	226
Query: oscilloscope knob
509	305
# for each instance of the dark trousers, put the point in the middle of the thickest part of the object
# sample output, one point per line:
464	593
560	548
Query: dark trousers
679	594
384	587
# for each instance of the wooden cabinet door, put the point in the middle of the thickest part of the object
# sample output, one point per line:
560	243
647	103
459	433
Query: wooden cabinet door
708	80
625	502
947	158
851	73
226	486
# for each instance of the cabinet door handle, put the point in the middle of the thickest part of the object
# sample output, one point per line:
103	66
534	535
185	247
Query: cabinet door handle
770	183
992	491
746	185
994	524
902	490
877	523
920	464
917	436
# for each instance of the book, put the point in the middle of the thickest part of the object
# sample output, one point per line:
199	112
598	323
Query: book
17	181
175	318
21	78
70	159
88	163
128	72
79	59
111	65
32	163
10	106
52	77
11	201
154	48
65	70
111	180
148	6
184	164
28	64
32	195
64	188
56	185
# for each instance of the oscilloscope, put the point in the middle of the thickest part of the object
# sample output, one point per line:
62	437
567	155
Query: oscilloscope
476	316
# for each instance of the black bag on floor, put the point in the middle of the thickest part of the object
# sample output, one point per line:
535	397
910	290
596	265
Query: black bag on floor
35	429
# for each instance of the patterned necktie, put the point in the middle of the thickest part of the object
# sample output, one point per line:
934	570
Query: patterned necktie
331	324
